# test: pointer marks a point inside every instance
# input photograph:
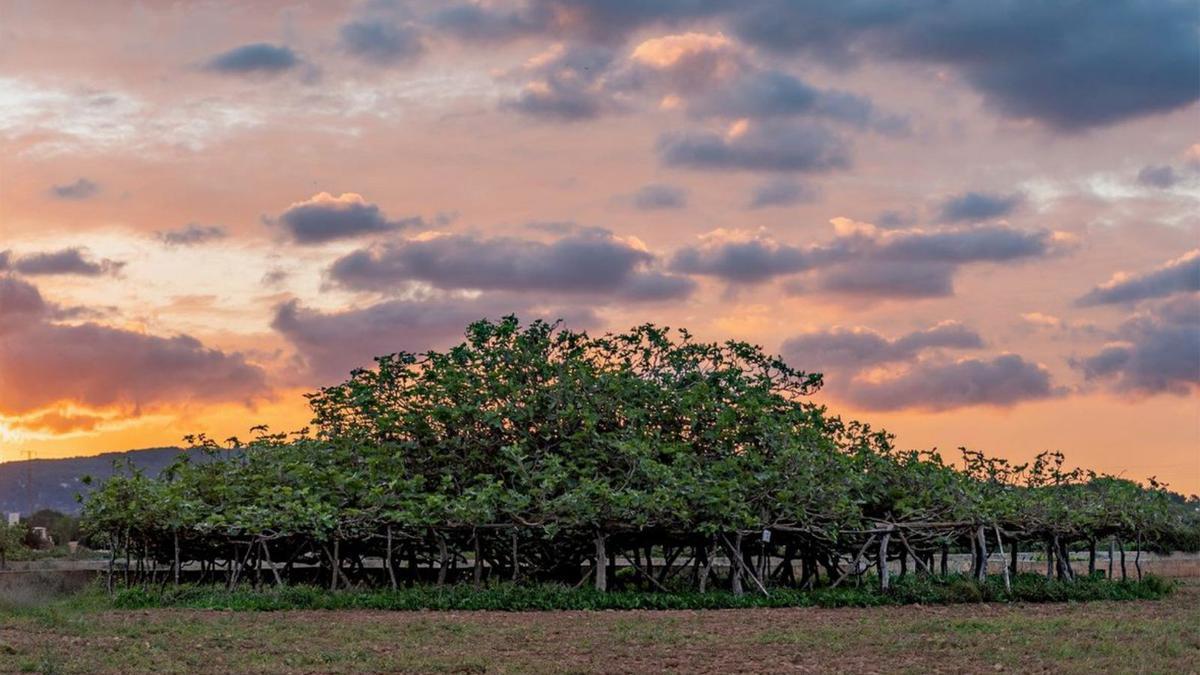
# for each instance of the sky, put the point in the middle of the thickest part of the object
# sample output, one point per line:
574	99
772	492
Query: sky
980	221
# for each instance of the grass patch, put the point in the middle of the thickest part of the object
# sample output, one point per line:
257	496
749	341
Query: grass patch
912	589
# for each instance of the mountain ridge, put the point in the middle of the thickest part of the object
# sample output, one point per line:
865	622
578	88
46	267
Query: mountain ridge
56	482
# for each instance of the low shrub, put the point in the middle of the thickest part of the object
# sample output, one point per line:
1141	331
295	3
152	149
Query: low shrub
912	589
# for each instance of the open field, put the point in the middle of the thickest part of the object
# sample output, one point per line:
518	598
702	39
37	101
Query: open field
1161	636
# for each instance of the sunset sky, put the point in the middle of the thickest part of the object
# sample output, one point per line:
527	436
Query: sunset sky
981	220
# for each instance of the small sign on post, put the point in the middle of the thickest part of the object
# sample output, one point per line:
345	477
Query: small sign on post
766	536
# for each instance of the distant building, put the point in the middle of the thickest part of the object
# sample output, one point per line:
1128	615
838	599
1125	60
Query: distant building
14	518
43	538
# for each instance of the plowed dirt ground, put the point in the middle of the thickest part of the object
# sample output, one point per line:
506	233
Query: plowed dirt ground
1105	637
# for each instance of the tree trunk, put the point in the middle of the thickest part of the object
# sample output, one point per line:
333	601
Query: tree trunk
983	555
443	559
112	562
257	566
764	558
335	562
234	569
1058	558
1112	554
882	561
708	564
785	572
175	565
669	563
414	565
478	575
388	559
1121	547
1137	557
1064	560
601	565
945	559
1091	557
1049	559
747	561
974	556
516	557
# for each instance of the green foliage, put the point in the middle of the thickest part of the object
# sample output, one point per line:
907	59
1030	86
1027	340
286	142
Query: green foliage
12	540
560	436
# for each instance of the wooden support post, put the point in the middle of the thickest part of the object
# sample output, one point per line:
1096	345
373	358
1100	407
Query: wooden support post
270	563
1000	546
649	577
858	567
736	551
916	556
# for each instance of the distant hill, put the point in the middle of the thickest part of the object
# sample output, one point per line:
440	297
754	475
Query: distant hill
57	481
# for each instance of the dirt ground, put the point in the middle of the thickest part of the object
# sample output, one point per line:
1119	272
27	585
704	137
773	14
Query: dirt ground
1158	637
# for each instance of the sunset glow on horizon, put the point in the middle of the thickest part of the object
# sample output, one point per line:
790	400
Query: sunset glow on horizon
209	209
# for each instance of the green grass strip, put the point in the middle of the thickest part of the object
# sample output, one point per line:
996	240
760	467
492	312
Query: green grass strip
514	597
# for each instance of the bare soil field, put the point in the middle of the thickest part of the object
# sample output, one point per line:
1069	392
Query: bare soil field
1153	637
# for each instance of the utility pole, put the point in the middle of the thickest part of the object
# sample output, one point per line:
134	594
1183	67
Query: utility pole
29	482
